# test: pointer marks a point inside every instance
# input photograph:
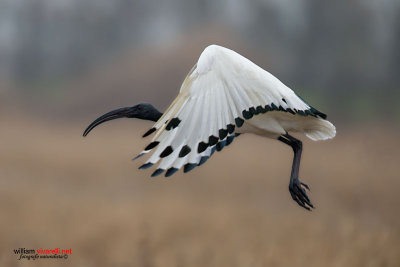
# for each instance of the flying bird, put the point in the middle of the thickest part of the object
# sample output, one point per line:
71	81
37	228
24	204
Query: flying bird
225	95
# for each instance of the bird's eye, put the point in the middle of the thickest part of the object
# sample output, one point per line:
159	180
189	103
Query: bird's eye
139	107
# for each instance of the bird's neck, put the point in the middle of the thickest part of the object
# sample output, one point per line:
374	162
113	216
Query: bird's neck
155	115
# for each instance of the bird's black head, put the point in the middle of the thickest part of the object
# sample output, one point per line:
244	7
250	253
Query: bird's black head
144	111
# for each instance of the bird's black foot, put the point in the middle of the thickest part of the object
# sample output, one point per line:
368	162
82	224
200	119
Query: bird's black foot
299	194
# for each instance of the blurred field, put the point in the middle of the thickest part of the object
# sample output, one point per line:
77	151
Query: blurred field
61	190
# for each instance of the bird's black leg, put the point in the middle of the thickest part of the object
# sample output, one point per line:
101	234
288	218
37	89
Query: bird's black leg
295	186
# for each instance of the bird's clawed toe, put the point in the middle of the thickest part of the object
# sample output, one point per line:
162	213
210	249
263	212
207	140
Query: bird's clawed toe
299	194
305	185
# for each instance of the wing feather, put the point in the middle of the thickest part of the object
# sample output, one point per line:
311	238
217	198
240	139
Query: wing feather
187	129
221	91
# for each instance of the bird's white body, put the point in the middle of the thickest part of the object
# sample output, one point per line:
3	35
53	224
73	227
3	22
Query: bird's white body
224	88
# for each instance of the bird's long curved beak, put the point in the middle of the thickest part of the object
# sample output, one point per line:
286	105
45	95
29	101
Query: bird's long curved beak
115	114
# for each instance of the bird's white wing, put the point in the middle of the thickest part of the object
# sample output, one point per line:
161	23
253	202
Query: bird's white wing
222	90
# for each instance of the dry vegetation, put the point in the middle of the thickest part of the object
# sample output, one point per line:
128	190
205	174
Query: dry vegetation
61	190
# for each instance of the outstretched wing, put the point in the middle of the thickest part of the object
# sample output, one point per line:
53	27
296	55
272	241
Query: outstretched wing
222	90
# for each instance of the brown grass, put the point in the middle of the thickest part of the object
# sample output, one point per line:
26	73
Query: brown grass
61	190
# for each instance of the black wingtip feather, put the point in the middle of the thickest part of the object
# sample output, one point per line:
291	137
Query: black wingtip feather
146	166
229	140
220	145
318	113
259	110
188	167
138	156
212	140
202	147
171	171
239	122
184	151
157	172
322	115
152	145
149	132
173	124
230	128
301	112
222	133
168	150
290	111
247	114
203	160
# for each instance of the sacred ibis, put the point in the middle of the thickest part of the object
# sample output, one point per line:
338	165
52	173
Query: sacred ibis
223	96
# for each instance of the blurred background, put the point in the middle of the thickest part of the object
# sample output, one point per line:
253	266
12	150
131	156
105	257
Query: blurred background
65	62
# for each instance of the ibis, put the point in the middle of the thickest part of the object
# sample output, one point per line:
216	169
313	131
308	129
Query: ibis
225	95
